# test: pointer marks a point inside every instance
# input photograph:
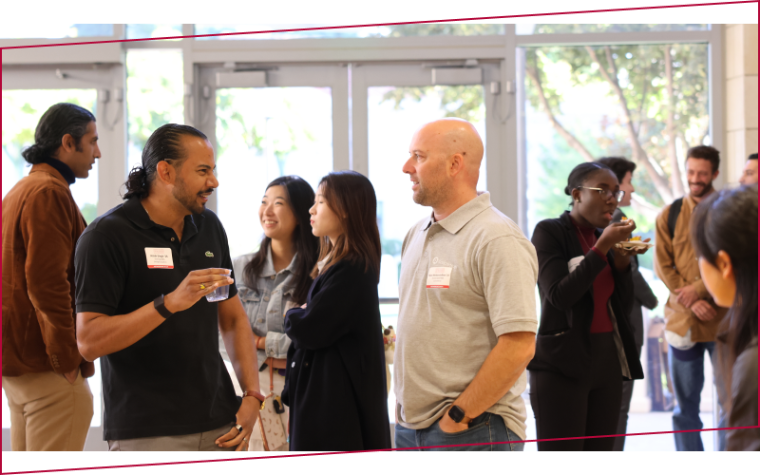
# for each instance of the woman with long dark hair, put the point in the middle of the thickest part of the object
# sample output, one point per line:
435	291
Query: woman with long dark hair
335	383
585	346
724	235
276	278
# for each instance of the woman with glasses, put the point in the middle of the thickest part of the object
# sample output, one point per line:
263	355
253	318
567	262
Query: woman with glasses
585	346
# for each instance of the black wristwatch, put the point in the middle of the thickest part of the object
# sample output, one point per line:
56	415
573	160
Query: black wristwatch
162	310
456	414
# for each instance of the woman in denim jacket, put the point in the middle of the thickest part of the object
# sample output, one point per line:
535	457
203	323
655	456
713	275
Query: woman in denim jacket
277	278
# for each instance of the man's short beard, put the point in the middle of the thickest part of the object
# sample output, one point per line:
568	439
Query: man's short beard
186	199
707	189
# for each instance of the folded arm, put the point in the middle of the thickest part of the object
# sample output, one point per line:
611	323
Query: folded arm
332	310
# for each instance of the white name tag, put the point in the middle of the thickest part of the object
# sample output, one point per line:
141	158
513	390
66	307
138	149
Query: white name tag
438	277
574	262
159	258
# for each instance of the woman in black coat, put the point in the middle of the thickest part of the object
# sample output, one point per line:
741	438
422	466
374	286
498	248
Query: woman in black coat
335	382
585	347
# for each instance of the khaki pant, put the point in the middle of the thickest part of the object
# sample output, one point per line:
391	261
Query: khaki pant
202	441
48	412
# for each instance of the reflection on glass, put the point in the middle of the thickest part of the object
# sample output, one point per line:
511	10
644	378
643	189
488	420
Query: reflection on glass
394	114
22	110
145	30
264	133
538	29
395	31
154	96
26	29
580	102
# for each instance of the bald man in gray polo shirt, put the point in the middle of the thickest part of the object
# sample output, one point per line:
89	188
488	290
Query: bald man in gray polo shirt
467	316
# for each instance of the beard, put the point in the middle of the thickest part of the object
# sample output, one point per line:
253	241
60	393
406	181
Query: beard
429	195
187	198
706	188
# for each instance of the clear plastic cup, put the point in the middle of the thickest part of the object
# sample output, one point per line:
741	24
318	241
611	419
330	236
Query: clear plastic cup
220	293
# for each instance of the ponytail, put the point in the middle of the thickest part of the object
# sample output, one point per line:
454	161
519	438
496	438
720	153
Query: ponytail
137	183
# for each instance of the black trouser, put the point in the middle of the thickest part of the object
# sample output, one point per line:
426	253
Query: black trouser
625	406
588	406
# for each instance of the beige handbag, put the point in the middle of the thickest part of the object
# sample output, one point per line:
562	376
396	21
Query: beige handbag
274	434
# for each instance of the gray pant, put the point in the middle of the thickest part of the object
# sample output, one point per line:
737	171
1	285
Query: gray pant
203	441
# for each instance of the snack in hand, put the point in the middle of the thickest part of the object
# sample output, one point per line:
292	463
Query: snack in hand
635	238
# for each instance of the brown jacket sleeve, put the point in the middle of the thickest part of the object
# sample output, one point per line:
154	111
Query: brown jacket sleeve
47	228
664	257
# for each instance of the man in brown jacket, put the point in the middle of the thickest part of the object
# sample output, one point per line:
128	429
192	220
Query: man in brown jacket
43	372
691	316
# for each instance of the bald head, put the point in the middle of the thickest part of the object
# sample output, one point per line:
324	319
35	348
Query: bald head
444	163
451	136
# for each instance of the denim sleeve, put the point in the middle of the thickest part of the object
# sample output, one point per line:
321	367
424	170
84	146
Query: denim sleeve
277	344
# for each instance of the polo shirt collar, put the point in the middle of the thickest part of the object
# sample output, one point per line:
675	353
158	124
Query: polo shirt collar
268	269
136	213
456	220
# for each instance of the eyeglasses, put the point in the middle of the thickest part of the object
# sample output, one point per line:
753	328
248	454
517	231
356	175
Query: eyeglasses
607	194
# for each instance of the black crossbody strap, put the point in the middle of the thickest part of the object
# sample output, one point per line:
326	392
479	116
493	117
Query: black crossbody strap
673	212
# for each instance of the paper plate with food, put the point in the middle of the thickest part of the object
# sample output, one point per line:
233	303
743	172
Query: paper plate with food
634	243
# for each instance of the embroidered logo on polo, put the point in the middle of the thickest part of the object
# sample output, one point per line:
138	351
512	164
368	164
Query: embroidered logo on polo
209	254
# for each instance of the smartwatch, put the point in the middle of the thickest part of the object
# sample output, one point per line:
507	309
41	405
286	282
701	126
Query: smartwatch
159	305
456	414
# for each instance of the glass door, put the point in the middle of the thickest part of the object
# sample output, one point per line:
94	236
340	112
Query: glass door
390	102
267	122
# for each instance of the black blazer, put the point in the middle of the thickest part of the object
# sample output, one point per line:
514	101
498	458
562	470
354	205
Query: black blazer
335	380
563	343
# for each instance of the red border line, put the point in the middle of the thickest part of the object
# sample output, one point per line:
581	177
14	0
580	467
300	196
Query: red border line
368	25
363	26
326	454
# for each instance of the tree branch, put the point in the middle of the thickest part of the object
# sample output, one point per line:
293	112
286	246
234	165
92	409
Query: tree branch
660	183
563	132
643	206
675	170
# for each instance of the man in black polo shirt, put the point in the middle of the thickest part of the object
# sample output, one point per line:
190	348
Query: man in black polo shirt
142	272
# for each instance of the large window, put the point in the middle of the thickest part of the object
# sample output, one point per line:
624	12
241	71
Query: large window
154	95
647	103
22	110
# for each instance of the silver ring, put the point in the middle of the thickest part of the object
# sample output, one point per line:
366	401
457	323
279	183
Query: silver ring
239	428
245	440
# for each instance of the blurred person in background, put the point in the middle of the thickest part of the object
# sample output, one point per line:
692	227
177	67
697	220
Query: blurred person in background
335	375
43	372
275	279
642	293
585	347
691	316
724	236
749	174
